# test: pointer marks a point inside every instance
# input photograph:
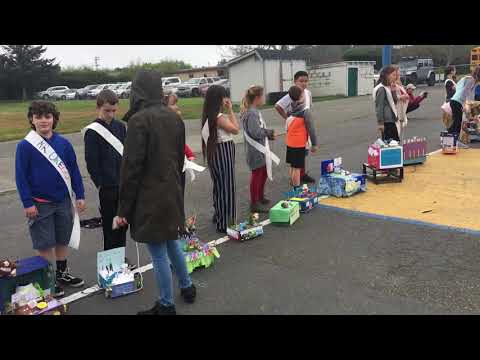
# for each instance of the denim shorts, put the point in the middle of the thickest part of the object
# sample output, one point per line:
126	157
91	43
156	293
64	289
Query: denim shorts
53	225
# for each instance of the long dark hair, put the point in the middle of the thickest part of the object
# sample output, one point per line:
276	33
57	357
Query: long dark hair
212	106
384	73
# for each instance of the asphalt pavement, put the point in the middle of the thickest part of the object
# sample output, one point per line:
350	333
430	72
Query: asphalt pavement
328	262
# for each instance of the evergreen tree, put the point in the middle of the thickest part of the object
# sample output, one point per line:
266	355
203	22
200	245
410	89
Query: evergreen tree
27	70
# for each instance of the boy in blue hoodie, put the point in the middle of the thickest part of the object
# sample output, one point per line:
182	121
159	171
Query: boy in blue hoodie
43	192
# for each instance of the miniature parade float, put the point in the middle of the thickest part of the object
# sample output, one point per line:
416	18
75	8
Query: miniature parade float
114	276
248	230
414	151
26	288
448	142
470	130
306	197
284	213
336	181
385	162
197	253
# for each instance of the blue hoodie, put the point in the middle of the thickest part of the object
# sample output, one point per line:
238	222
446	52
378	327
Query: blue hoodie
37	178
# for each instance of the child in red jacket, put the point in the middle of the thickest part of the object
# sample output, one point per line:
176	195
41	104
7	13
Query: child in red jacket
414	101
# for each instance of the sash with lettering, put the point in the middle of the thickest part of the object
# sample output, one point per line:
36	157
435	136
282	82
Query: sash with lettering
264	149
47	151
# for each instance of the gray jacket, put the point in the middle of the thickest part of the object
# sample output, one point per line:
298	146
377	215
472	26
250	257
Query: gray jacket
383	110
251	125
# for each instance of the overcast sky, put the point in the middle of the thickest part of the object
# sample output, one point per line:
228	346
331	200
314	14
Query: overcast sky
112	56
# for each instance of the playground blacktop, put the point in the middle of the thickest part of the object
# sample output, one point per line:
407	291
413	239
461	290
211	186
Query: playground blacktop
407	248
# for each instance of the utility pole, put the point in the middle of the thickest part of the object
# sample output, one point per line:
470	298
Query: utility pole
386	55
96	59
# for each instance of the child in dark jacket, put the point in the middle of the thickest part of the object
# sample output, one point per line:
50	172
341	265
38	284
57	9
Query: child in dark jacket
104	163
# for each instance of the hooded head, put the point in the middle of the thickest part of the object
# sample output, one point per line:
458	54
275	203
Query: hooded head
146	90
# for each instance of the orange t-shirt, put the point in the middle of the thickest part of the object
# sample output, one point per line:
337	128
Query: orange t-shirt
297	136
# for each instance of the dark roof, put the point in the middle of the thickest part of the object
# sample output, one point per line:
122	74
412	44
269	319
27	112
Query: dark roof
201	69
279	54
269	55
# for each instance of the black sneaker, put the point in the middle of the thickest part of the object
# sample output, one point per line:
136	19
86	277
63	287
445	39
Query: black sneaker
65	278
159	310
307	178
58	292
189	294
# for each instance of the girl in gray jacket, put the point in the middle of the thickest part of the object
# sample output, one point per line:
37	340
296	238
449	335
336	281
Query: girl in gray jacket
255	134
385	104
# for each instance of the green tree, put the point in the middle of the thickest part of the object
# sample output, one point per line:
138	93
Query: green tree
28	71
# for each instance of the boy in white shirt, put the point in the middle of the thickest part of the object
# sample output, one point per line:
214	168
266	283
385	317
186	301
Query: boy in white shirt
284	108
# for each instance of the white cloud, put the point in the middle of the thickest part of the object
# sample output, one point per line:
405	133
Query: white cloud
112	56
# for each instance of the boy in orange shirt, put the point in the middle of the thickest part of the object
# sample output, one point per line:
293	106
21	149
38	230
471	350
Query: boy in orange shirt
299	128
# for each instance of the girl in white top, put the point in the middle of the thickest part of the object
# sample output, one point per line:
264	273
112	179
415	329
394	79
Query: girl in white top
402	104
219	149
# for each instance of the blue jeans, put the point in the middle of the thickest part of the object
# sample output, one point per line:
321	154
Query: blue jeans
161	254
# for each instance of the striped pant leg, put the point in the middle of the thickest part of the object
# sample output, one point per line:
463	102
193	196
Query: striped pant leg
223	177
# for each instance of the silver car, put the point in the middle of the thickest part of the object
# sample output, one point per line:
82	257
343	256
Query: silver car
53	93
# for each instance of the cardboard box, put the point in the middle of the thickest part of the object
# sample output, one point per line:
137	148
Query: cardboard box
448	143
248	233
29	270
385	157
414	151
284	216
113	260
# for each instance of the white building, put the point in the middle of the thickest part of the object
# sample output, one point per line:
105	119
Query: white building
348	78
272	69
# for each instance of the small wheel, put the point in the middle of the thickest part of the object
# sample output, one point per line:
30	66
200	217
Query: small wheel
431	80
63	97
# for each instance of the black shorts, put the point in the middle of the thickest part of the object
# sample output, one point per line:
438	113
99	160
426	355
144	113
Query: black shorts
296	157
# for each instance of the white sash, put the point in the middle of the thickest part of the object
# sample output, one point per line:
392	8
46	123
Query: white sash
205	132
47	151
389	97
446	81
269	156
107	135
191	167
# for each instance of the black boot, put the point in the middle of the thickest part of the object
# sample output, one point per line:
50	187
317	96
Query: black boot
189	294
159	310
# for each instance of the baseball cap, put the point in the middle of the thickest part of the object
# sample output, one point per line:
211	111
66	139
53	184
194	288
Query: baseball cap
411	86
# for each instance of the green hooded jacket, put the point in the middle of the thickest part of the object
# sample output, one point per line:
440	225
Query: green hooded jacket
151	196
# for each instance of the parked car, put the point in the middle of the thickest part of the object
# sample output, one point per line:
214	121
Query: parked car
417	70
170	84
204	88
93	93
191	87
123	92
83	92
53	92
69	94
